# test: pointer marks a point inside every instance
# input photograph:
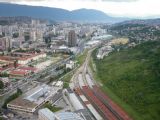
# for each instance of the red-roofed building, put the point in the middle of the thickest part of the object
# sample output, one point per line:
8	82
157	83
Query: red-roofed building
32	69
18	74
25	60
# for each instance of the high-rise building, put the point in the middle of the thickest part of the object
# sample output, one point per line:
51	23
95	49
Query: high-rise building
33	35
5	43
35	22
17	42
72	39
36	35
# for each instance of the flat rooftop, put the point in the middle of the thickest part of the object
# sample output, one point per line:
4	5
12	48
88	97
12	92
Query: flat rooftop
34	97
48	114
39	93
23	103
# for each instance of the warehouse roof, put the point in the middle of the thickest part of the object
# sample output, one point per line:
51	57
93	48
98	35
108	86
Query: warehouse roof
68	116
47	113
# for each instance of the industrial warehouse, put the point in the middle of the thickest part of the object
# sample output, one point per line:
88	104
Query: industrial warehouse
46	114
32	99
77	105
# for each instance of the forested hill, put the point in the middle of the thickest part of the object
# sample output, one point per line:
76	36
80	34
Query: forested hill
133	74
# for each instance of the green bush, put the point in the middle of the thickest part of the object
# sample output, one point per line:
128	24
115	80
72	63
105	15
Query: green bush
1	85
51	108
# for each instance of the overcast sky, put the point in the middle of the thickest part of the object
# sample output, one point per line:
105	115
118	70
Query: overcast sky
126	8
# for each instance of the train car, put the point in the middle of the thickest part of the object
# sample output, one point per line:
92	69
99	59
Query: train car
89	106
98	104
80	80
122	115
89	81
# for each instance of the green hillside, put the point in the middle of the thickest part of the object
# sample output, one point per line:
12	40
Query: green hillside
134	76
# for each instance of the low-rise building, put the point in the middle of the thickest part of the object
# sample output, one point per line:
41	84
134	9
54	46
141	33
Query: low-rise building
18	73
43	65
74	101
28	58
22	72
70	64
46	114
31	69
59	84
34	98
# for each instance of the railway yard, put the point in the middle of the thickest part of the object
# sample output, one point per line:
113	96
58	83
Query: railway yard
92	97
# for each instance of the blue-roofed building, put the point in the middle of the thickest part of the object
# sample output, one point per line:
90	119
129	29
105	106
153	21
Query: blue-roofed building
67	116
46	114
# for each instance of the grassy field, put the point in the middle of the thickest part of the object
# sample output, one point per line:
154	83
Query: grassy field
66	79
131	78
81	58
120	41
51	108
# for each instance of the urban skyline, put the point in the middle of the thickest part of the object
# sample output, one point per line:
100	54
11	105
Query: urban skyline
82	64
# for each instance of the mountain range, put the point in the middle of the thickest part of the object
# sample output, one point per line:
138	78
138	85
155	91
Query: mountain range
151	22
57	14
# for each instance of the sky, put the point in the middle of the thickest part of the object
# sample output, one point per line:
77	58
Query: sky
118	8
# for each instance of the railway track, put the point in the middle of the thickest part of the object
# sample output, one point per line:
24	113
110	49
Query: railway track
114	108
84	82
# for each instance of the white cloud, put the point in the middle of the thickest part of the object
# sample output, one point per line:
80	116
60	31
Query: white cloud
74	0
127	8
121	0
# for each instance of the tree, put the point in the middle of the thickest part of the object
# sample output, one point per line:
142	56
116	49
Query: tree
47	40
15	35
38	50
15	63
19	91
65	85
4	74
12	97
26	37
1	85
2	35
9	49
